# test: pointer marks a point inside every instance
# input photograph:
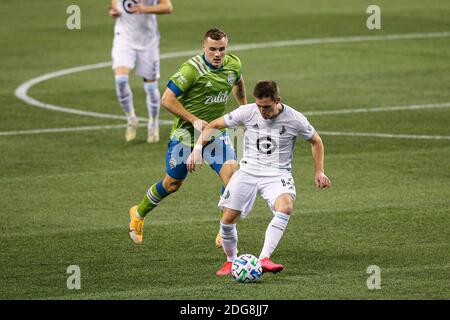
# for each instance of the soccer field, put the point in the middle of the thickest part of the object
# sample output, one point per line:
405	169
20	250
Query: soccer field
379	98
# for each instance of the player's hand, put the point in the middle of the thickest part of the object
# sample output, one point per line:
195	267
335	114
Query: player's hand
138	7
322	181
199	124
194	158
113	12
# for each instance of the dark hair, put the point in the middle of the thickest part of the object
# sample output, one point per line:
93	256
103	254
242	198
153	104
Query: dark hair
266	89
215	34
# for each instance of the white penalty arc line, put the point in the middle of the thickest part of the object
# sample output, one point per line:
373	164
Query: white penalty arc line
22	91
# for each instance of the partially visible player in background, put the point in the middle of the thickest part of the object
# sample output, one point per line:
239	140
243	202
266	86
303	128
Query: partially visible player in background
269	139
136	44
196	94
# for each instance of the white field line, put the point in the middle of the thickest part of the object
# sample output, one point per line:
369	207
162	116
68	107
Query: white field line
22	91
304	42
329	133
381	109
70	129
384	135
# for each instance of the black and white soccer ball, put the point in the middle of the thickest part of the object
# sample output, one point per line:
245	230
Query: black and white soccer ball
246	268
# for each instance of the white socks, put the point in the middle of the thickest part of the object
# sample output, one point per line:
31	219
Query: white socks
153	103
125	97
274	233
229	236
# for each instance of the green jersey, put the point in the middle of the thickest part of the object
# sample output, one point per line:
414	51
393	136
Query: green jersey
203	91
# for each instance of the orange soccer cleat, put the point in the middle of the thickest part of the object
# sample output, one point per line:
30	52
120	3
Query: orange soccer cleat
136	226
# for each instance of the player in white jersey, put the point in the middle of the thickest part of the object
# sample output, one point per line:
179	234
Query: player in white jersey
271	129
136	45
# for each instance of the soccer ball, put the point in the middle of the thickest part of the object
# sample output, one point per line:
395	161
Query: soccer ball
246	268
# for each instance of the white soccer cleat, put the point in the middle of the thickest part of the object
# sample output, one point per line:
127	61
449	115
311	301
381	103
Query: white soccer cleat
153	135
130	133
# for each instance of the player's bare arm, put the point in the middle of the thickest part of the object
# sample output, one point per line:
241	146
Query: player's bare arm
317	149
239	92
173	105
163	6
113	12
196	156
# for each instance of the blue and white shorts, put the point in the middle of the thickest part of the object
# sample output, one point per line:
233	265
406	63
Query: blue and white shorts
215	153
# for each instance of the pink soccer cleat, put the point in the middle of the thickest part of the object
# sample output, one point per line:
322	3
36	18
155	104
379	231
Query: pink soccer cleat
225	270
268	266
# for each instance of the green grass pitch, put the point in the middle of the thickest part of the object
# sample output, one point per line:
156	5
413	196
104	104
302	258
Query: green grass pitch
64	196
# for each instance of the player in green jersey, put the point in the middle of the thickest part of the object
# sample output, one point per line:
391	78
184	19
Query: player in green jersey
196	95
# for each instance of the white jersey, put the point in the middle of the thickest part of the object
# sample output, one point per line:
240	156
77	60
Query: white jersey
140	31
269	143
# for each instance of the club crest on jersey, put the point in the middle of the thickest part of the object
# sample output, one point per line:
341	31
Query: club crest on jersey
282	130
127	4
231	79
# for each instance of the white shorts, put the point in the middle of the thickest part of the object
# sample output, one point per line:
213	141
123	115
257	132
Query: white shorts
145	60
240	193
